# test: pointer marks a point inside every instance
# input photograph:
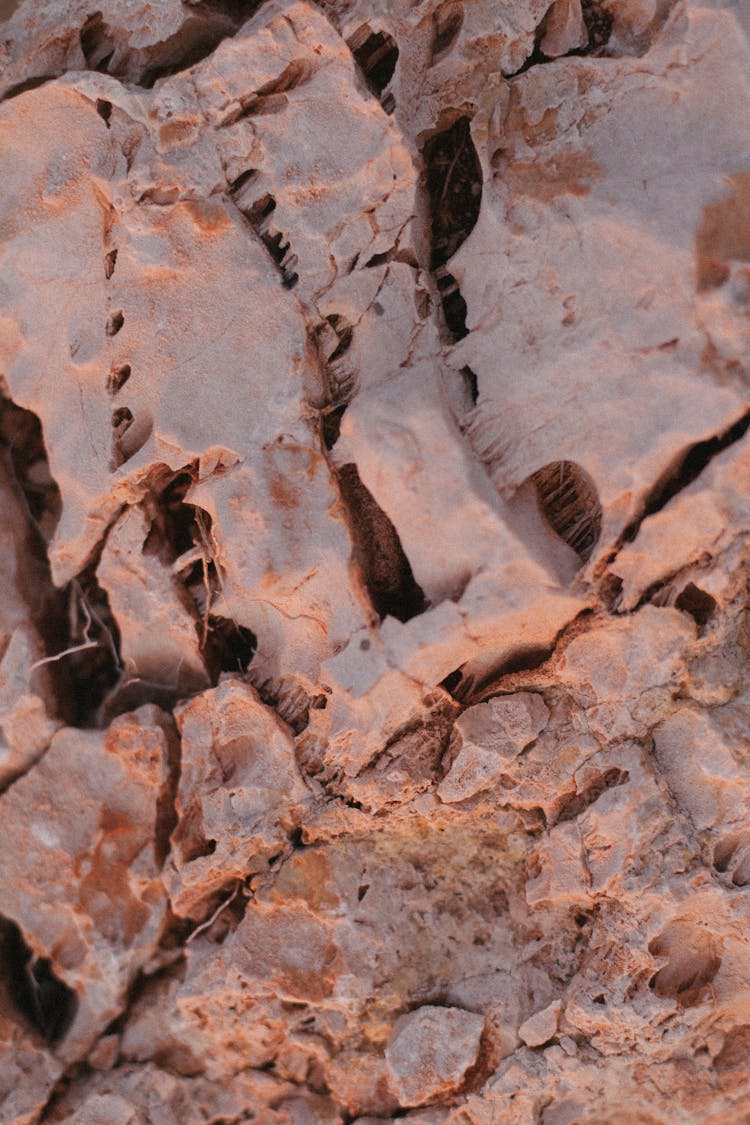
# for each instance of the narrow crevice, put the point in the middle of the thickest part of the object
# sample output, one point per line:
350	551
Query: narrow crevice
471	383
166	807
28	84
598	23
104	109
206	25
228	647
332	341
576	804
79	634
385	568
685	469
87	676
466	688
31	995
453	305
452	182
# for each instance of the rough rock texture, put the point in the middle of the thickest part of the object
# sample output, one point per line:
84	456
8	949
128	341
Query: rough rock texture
374	532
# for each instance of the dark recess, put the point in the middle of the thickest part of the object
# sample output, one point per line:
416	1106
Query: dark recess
376	57
698	603
21	436
87	677
377	549
176	527
229	647
687	469
569	502
446	24
33	991
453	180
104	109
465	687
472	384
598	23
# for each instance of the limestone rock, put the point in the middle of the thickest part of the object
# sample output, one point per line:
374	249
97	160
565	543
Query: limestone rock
374	702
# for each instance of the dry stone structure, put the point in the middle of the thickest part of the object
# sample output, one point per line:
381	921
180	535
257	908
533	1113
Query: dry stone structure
374	539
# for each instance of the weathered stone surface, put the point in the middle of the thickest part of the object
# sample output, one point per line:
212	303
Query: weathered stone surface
430	1050
373	548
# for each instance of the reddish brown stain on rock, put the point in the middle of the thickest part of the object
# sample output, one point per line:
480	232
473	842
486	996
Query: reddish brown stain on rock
723	234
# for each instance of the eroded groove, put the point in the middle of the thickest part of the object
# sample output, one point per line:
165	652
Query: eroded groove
31	995
385	568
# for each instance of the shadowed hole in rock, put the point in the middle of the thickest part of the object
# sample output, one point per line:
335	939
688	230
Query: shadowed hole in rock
115	321
80	636
30	992
732	857
385	568
472	384
110	258
692	958
376	54
129	432
453	305
97	43
598	26
87	676
228	647
207	24
453	181
569	501
699	604
447	21
258	214
104	109
333	339
117	379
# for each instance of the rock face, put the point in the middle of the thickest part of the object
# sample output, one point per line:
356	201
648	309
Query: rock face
374	702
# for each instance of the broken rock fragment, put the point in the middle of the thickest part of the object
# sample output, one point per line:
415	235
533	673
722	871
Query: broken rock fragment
486	738
430	1051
